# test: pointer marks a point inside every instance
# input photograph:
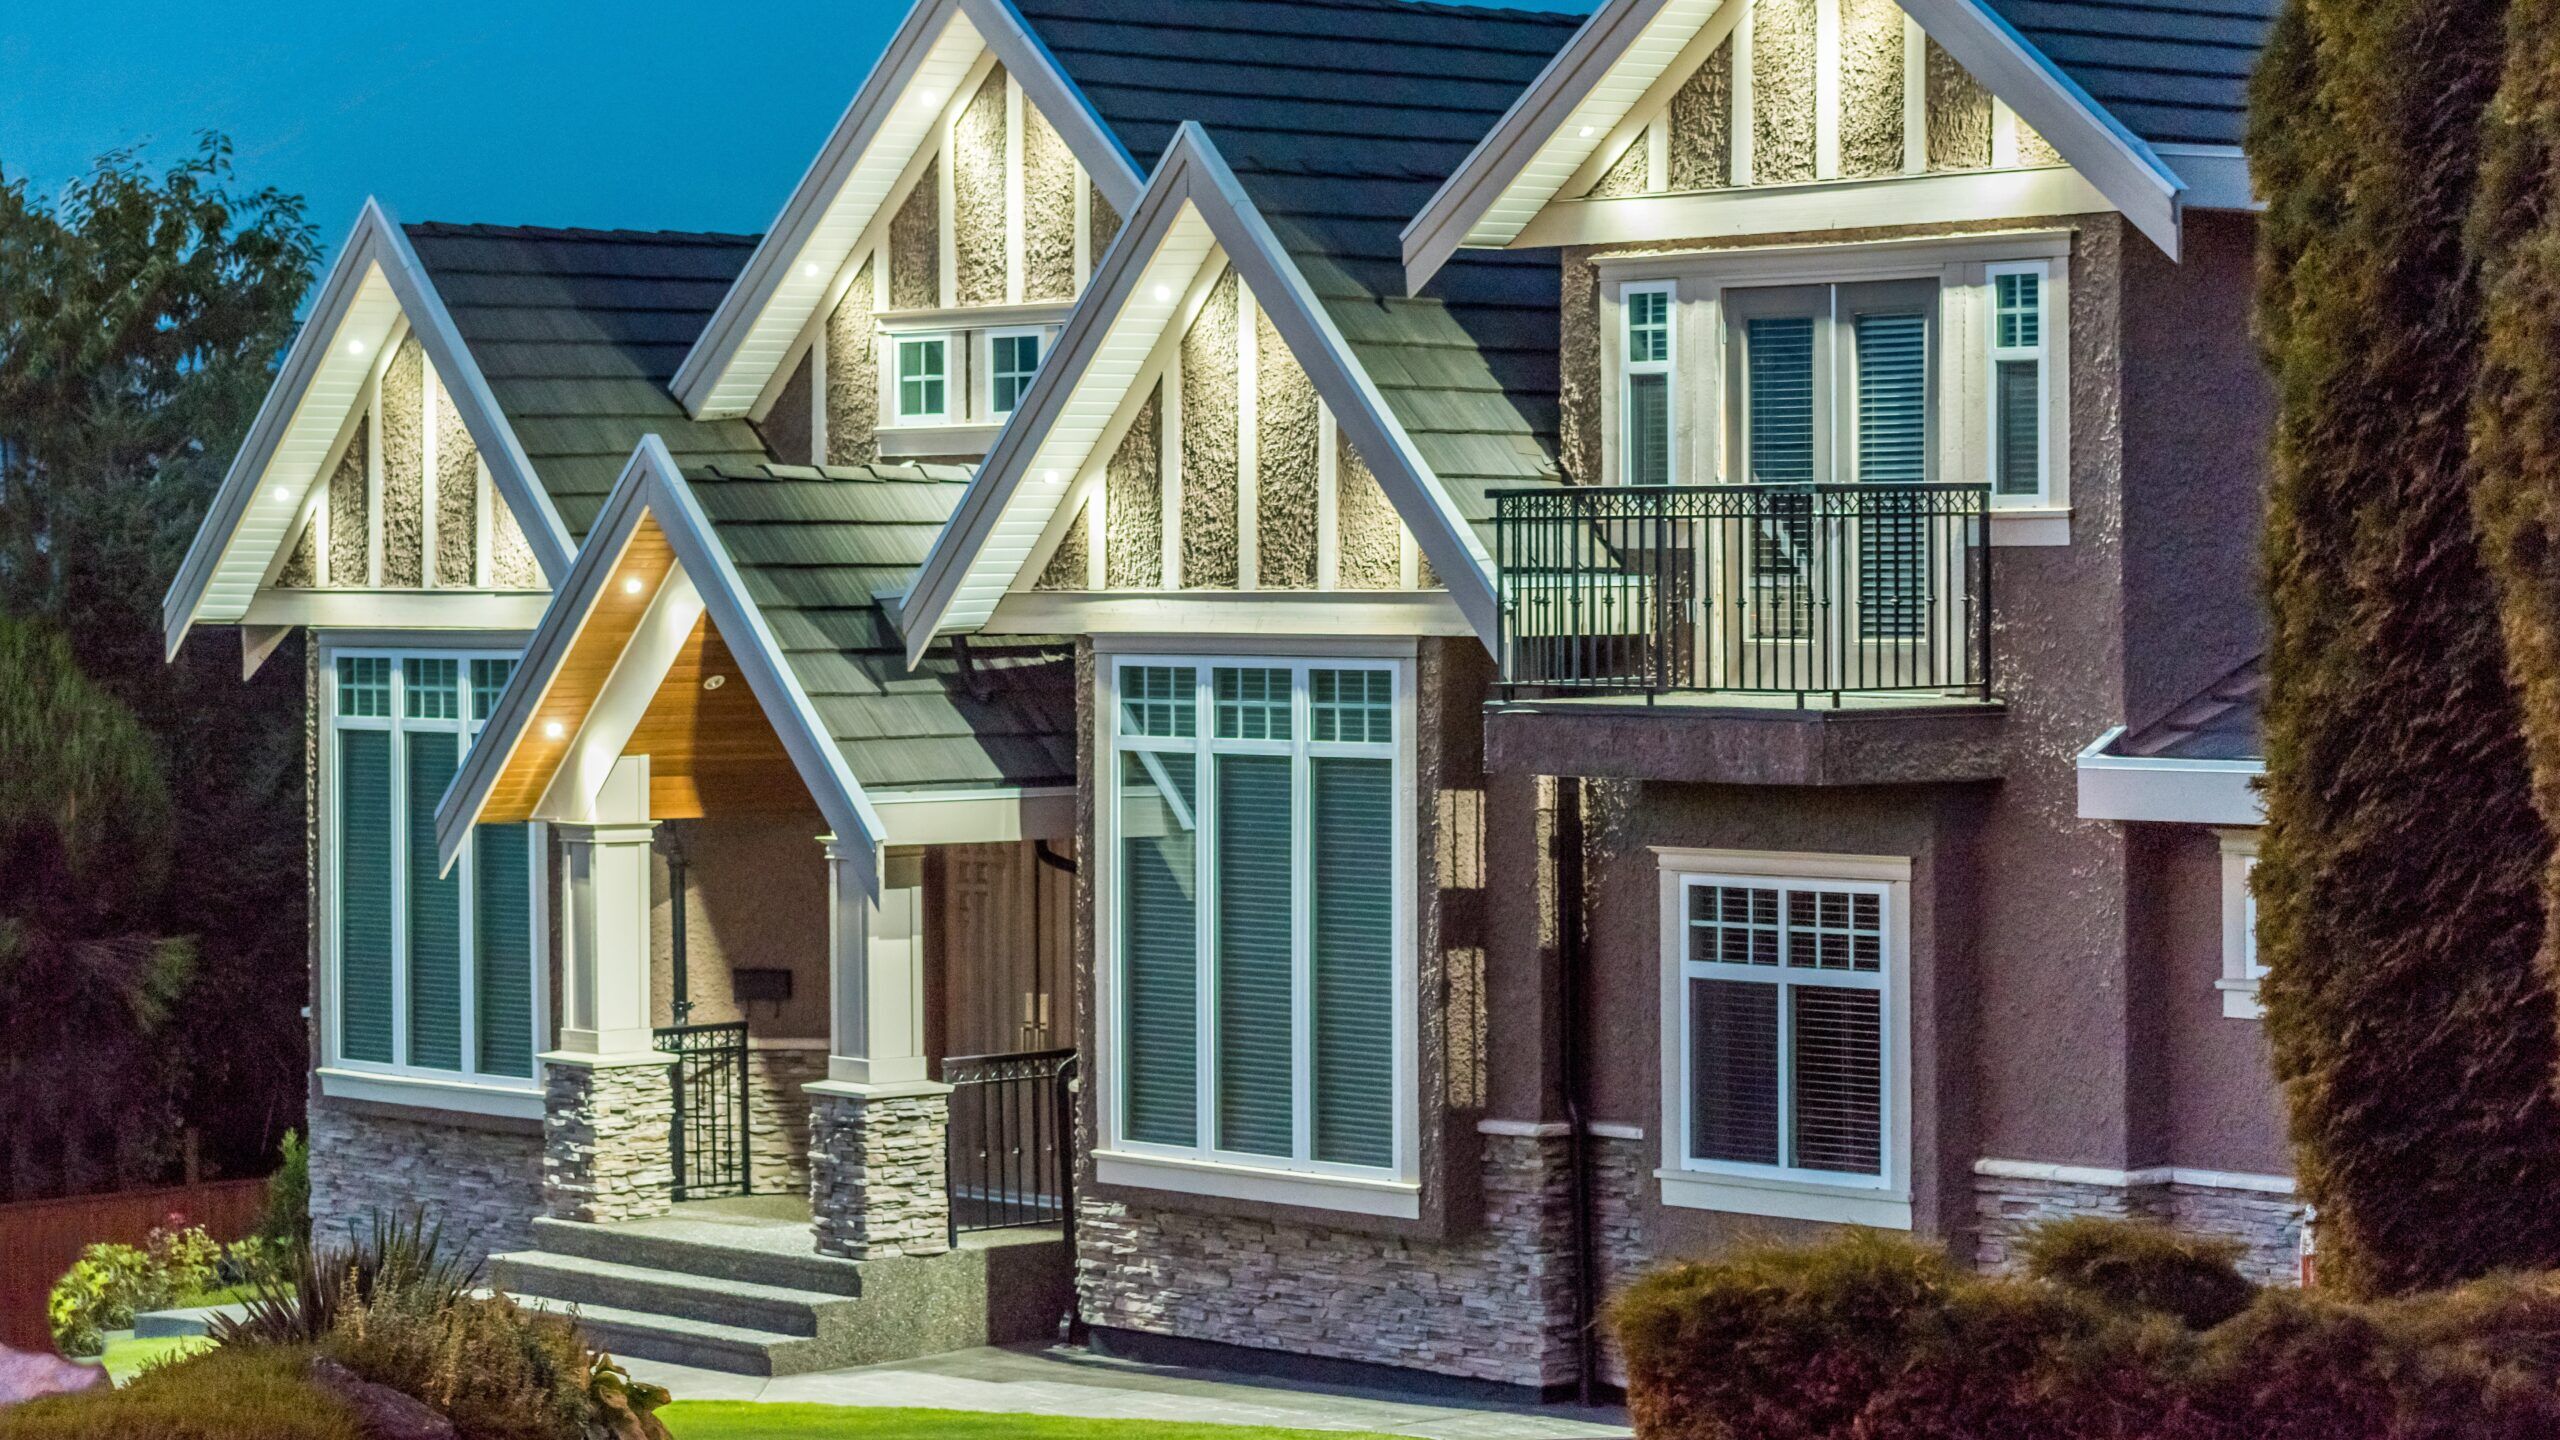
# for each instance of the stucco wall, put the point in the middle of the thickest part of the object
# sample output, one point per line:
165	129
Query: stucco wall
1102	221
1068	564
1959	115
755	896
978	157
915	244
1133	503
1871	75
1049	177
457	498
2223	1111
511	562
853	373
1782	90
348	511
1286	463
1209	550
404	483
1371	544
787	429
1701	125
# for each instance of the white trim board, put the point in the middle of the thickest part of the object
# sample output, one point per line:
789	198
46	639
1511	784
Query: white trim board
898	111
1194	204
2098	1175
375	285
2178	792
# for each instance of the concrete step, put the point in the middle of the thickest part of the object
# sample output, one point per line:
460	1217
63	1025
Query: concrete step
575	1280
663	1245
738	1349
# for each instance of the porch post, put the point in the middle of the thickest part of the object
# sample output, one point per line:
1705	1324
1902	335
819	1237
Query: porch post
877	1122
608	1101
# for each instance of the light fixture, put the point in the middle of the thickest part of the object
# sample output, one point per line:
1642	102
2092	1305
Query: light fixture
714	682
631	585
1590	130
1049	476
1164	293
355	347
281	494
928	97
553	729
810	269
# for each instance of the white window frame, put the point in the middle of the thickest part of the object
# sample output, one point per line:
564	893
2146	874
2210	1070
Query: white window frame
1392	1191
987	358
1629	367
2241	971
398	1082
896	371
1882	1201
1995	354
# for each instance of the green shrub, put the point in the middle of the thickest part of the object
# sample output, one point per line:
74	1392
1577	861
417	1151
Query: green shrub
2133	1266
287	1218
109	1284
302	1299
497	1369
218	1395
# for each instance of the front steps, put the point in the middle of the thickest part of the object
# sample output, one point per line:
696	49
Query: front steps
710	1289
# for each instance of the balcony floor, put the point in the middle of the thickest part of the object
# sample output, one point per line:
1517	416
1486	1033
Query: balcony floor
1725	738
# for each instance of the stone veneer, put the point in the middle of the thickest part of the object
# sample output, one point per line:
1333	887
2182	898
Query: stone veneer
877	1179
605	1150
778	1115
1492	1304
483	1185
2269	1224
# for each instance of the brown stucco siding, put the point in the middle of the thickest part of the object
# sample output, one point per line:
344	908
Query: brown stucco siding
787	429
755	897
2222	1112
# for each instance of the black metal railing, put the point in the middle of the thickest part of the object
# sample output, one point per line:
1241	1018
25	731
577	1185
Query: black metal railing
1011	1149
709	1136
1796	590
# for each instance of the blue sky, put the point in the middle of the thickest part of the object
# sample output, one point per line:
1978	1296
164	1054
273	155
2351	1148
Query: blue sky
632	113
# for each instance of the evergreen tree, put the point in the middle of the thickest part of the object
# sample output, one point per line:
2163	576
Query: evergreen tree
2399	887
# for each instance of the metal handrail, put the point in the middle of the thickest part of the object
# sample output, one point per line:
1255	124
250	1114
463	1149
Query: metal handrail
1009	1149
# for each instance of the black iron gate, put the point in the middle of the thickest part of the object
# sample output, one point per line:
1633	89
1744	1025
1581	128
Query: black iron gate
1010	1151
709	1137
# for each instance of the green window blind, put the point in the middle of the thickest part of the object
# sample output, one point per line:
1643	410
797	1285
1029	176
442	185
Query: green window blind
1893	449
364	894
1256	1082
1778	399
1354	824
435	909
2018	445
502	888
1649	429
1159	961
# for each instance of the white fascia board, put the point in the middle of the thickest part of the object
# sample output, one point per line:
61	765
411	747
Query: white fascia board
370	289
1193	206
2175	792
753	332
2217	176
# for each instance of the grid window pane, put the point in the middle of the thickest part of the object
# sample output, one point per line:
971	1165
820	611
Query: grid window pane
1011	362
1733	1071
1838	1087
1252	704
1159	701
1648	327
920	379
430	685
489	681
2018	304
1778	399
364	685
1733	925
1353	707
1835	930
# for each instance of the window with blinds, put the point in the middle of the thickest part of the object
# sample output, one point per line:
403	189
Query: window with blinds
1258	858
2018	397
1784	991
1646	368
434	970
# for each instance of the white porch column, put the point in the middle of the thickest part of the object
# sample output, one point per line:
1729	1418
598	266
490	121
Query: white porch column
877	1184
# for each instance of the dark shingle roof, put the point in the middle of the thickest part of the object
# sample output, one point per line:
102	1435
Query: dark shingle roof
2176	72
812	546
2225	722
577	332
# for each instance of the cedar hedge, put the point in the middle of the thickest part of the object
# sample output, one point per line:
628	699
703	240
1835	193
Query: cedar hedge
1878	1338
2400	874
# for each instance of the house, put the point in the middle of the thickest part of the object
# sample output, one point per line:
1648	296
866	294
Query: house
1335	668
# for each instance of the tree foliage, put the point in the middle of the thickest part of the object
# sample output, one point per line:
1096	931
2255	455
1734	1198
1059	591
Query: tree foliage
2399	877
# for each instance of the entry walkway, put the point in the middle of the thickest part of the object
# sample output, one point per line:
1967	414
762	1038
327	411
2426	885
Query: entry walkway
1056	1380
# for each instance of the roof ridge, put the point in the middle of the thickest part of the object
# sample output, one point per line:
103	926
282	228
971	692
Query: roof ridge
475	230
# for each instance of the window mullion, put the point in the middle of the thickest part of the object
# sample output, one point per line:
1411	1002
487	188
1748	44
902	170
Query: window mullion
1204	1135
398	848
1301	926
467	891
1785	1088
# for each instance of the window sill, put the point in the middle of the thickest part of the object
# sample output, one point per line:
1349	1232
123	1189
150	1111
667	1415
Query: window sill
1785	1199
937	439
2031	525
1392	1199
470	1097
2240	1000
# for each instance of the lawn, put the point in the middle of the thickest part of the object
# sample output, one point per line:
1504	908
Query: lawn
740	1420
129	1357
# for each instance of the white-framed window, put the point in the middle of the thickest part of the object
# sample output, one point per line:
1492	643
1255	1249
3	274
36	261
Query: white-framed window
1013	357
2020	381
430	974
1646	371
920	378
2241	971
1256	907
1785	1024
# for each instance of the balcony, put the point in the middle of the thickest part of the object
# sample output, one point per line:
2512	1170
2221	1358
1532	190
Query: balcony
1827	634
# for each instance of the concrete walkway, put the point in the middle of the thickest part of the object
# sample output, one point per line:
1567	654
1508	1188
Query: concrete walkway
1055	1380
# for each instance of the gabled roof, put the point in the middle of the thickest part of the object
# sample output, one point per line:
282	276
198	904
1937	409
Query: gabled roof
2197	765
2225	721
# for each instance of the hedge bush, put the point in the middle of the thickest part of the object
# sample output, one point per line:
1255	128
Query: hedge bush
1881	1338
218	1395
2134	1266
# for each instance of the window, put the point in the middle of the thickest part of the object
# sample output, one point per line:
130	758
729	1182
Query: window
2018	371
922	377
434	973
1783	1038
2241	971
1013	357
1647	370
1257	952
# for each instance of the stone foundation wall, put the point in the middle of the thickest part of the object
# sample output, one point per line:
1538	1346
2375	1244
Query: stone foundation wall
483	1186
1494	1304
877	1179
605	1129
2270	1225
778	1116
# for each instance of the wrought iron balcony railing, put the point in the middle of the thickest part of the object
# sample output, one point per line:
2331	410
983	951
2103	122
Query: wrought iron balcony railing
1802	590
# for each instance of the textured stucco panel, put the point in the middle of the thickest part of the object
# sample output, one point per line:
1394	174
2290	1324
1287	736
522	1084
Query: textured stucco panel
348	522
1066	569
1209	441
1702	125
755	890
404	459
1870	88
457	497
915	244
977	194
1103	221
853	374
1048	209
1372	536
1627	174
302	566
1286	445
511	562
1133	512
785	428
1578	373
2034	149
1959	115
1782	88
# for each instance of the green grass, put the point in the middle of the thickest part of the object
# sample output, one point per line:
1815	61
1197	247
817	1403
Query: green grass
129	1357
742	1420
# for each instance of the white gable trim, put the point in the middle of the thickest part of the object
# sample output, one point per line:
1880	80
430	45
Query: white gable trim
1585	95
1192	206
653	485
374	285
755	330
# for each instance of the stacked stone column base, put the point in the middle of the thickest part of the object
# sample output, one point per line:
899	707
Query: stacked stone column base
2267	1222
607	1126
878	1183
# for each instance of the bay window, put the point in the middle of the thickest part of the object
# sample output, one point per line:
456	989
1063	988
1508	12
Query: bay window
1256	947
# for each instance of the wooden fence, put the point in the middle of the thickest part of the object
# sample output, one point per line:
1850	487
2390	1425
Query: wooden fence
40	1238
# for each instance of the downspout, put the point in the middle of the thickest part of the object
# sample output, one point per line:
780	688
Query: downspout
681	1008
1570	941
